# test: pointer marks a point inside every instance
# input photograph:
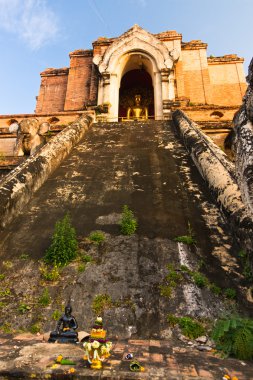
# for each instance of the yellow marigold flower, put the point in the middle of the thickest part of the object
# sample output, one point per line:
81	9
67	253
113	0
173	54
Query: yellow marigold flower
59	358
71	370
235	378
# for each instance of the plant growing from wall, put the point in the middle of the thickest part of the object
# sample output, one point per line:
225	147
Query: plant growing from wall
188	239
230	293
97	237
56	315
45	298
200	280
35	328
100	303
63	248
128	223
190	327
234	337
23	308
247	271
49	274
171	281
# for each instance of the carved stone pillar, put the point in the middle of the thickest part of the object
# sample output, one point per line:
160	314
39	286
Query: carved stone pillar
172	85
165	93
165	83
106	87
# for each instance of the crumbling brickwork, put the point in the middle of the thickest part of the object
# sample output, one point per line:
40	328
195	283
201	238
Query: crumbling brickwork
79	80
52	90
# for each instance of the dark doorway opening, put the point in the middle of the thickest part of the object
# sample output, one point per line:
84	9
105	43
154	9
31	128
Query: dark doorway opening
132	83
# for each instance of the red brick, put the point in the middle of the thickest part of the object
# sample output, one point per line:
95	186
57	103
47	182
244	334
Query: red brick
158	358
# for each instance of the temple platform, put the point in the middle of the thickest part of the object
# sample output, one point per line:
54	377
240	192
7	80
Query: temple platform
27	356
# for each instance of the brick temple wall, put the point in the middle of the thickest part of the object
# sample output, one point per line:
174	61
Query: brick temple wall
196	75
228	81
52	90
79	80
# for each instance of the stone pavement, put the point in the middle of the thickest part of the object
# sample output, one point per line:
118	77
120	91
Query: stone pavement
26	356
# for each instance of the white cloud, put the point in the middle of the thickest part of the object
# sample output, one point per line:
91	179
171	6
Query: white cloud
31	20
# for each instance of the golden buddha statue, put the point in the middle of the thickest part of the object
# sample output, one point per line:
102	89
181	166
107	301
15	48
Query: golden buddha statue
137	112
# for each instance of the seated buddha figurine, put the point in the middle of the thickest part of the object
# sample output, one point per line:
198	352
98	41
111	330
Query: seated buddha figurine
65	329
137	112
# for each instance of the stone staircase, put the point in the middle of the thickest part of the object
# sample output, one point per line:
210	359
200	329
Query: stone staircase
144	166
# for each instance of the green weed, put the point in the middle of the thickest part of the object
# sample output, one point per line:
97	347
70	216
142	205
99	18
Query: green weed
86	258
188	239
35	328
45	298
191	328
165	290
56	315
5	292
6	328
100	303
49	274
172	320
23	308
7	264
24	256
128	223
230	293
63	248
81	268
247	271
97	237
215	289
200	280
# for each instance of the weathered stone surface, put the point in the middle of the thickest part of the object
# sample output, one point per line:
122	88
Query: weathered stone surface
29	126
147	168
243	143
18	187
220	175
44	128
13	128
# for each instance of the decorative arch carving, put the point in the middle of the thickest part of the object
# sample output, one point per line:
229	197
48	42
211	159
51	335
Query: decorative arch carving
136	39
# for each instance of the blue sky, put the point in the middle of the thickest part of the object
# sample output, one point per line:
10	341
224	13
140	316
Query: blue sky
36	34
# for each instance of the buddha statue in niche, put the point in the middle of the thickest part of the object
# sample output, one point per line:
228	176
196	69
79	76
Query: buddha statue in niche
137	112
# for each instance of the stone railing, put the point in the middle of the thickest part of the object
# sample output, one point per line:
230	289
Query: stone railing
17	188
243	144
219	173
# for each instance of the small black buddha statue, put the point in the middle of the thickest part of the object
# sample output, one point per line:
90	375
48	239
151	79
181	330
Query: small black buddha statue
65	329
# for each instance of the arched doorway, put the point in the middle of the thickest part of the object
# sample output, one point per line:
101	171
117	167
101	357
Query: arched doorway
136	81
134	50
